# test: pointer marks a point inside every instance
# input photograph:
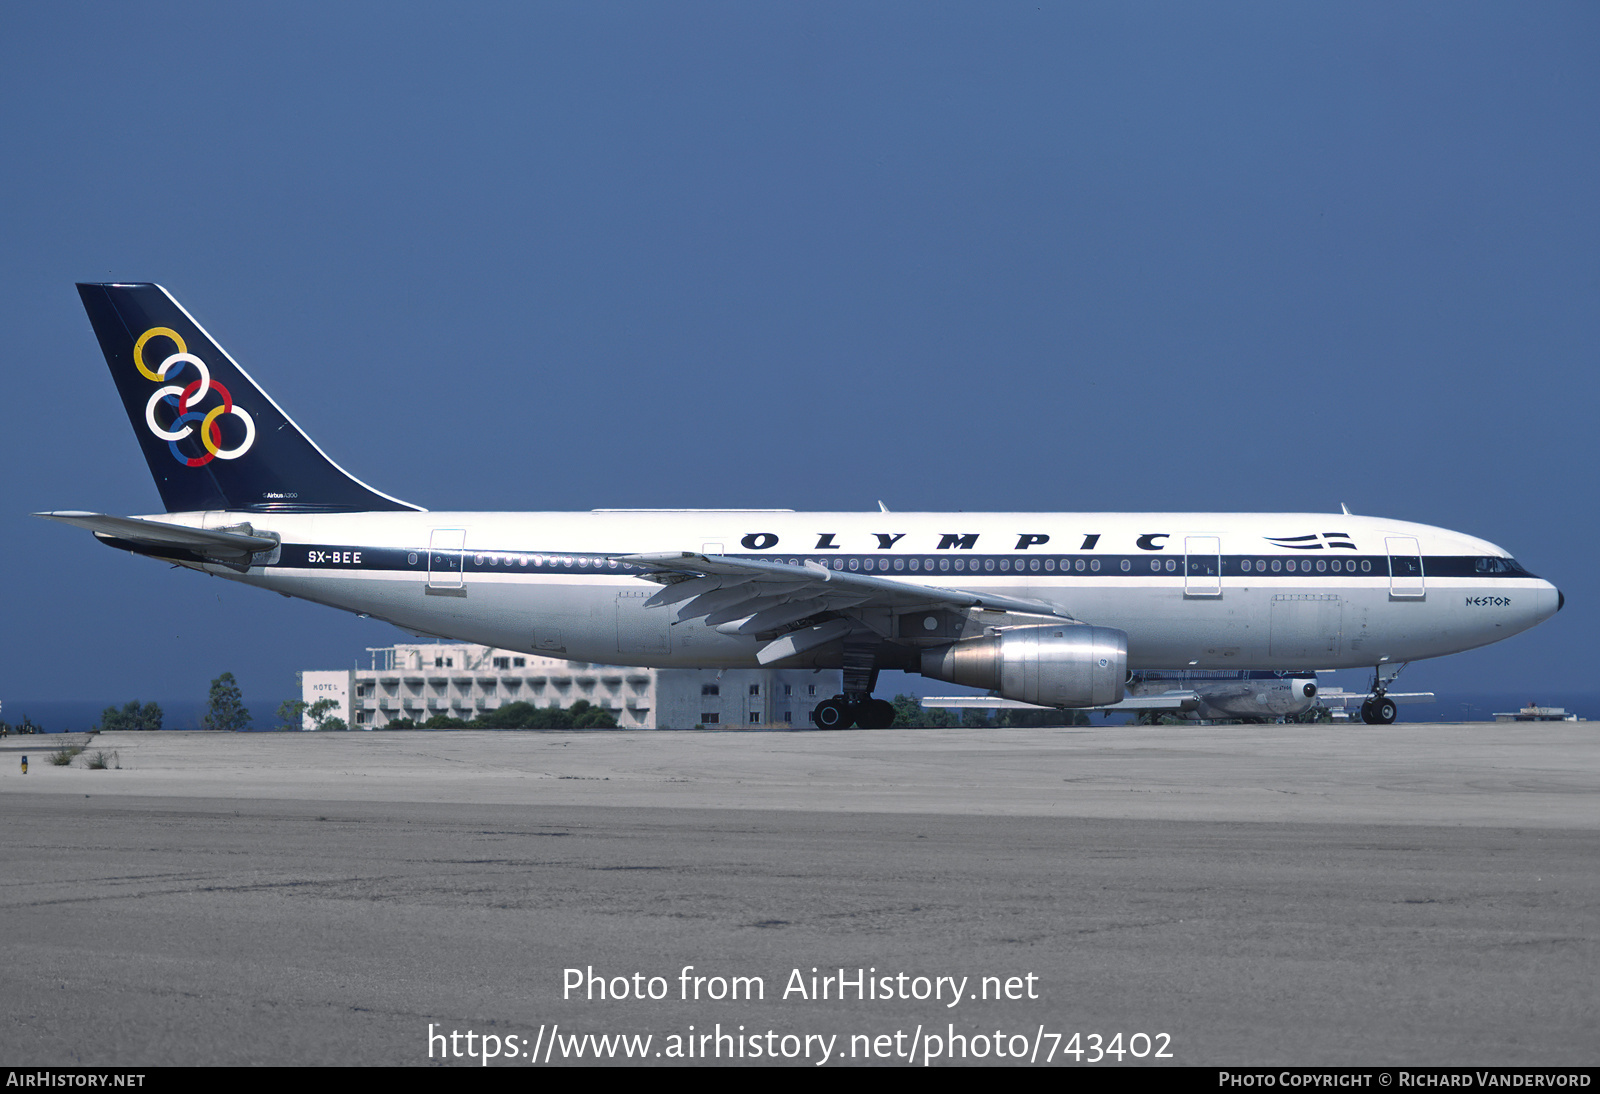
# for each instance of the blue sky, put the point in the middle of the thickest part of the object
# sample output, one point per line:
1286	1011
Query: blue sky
1121	256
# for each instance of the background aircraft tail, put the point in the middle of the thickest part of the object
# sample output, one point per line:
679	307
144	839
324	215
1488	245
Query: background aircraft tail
212	437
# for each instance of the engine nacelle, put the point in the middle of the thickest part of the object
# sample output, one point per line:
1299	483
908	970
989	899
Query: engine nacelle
1050	666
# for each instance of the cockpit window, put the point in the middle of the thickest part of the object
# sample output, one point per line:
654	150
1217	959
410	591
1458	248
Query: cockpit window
1499	566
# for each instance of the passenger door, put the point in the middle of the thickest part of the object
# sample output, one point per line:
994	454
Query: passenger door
1202	566
446	558
1405	568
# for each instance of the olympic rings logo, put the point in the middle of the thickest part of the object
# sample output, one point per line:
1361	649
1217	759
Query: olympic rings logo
186	399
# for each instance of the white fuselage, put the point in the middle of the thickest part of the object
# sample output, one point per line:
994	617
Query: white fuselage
1203	590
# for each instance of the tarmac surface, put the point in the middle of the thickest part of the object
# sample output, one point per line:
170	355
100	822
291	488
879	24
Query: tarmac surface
1406	895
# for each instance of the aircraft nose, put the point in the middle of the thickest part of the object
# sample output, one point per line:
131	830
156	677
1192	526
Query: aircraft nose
1551	600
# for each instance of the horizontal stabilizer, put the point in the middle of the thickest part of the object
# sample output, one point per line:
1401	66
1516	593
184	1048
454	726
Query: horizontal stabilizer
238	543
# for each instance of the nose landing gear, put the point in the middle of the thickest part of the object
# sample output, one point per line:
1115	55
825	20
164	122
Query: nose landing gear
1380	710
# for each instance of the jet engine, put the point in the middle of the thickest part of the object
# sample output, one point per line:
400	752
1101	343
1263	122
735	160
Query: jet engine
1050	666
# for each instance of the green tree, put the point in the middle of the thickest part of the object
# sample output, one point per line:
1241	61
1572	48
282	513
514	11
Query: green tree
524	715
586	716
226	710
909	714
131	716
518	715
320	714
1041	718
546	718
291	714
294	712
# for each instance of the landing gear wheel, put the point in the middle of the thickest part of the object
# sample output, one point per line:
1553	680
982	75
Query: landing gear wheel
1366	712
1383	712
875	714
832	714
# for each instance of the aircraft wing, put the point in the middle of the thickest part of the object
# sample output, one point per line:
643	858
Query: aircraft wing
236	544
752	596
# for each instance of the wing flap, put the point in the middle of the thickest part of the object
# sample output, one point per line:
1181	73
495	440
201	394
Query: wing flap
694	586
795	643
776	617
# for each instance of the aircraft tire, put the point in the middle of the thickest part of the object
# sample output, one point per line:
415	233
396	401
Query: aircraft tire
1384	712
832	714
875	714
1366	712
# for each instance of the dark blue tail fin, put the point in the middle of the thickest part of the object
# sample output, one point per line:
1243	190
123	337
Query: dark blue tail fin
212	438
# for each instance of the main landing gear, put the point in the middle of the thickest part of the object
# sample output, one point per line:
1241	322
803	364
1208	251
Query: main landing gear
843	712
856	707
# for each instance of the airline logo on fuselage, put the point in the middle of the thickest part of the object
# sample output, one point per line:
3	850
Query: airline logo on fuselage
184	403
1330	540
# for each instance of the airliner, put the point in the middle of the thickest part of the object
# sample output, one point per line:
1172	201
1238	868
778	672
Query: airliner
1051	609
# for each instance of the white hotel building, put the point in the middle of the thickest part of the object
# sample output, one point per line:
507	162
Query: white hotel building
418	681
